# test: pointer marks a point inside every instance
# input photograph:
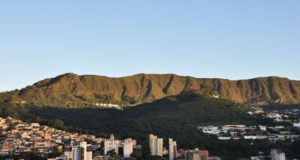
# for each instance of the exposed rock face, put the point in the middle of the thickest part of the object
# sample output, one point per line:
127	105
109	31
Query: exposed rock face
71	89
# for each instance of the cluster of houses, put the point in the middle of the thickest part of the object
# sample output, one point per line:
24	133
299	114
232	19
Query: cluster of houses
17	137
283	115
272	133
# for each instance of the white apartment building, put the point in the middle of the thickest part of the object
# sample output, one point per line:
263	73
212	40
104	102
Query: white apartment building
156	145
111	144
172	149
89	155
127	148
83	147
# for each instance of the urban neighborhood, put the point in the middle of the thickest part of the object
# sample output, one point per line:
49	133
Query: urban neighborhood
17	138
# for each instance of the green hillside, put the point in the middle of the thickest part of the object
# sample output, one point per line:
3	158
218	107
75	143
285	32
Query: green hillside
159	117
71	90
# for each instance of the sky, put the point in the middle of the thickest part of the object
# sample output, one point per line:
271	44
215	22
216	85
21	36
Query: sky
230	39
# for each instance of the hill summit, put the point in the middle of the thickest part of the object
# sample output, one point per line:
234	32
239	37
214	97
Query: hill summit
90	90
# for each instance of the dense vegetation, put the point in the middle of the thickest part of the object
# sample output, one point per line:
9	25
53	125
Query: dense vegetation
184	110
175	117
282	107
71	90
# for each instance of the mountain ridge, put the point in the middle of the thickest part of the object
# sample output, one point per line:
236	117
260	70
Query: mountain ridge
87	90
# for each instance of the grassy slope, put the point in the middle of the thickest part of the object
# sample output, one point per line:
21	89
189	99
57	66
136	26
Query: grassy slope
73	90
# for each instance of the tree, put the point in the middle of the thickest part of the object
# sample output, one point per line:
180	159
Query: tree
57	123
137	153
112	153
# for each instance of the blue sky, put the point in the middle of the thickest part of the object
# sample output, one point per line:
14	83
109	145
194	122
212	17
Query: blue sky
231	39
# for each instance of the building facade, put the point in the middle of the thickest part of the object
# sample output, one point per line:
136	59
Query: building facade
277	154
79	151
156	145
198	155
172	149
127	148
111	144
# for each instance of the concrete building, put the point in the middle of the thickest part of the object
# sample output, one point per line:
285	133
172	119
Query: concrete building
197	155
111	144
156	145
127	148
83	147
172	149
277	154
67	155
76	153
153	144
160	147
79	152
89	155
